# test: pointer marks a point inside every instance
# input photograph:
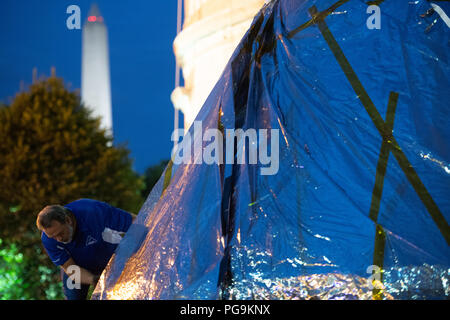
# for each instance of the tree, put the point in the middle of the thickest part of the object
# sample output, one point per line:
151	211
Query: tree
152	175
52	151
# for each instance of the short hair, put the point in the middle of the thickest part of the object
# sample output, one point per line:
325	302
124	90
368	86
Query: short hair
51	213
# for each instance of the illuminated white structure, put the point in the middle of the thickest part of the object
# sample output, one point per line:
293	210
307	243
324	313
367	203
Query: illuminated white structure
211	31
95	82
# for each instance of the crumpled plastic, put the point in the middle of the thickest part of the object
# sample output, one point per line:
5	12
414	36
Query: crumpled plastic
330	224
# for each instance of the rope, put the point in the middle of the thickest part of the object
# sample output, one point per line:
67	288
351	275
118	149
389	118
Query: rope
177	67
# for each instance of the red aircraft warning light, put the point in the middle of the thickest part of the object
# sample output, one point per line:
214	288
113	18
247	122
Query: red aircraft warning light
95	18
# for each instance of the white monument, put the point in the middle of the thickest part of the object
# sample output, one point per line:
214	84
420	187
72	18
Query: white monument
211	31
95	82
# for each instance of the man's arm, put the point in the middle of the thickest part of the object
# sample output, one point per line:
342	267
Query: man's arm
86	277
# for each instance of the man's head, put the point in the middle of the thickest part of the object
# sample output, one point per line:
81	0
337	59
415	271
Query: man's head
56	222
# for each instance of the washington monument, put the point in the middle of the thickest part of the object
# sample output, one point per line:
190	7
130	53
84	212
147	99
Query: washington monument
95	82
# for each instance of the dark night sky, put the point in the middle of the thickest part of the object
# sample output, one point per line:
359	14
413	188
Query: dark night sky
33	33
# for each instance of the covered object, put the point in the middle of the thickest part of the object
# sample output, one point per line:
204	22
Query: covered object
359	206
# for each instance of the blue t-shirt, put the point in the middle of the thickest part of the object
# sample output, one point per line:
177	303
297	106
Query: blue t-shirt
99	229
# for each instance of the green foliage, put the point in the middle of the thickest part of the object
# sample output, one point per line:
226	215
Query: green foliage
11	286
14	284
53	152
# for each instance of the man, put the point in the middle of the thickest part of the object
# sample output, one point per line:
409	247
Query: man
81	237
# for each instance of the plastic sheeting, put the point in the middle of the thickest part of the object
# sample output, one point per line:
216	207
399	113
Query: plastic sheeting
360	205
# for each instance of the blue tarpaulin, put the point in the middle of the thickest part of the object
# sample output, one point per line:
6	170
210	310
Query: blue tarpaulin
359	206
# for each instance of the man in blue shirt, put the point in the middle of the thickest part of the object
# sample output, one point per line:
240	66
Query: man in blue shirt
81	237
